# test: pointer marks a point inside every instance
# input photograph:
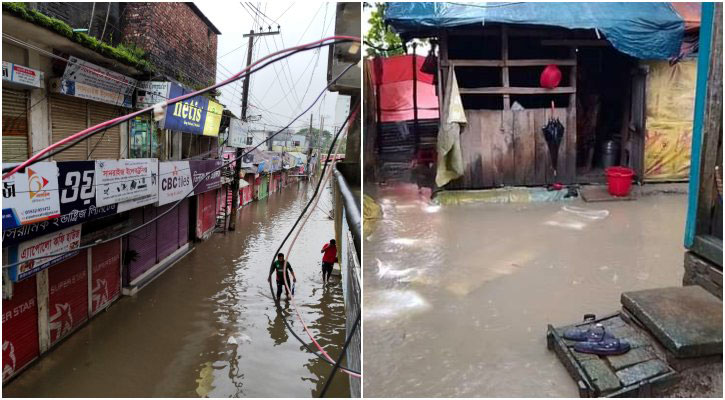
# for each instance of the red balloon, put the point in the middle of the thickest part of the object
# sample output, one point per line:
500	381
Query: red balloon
550	77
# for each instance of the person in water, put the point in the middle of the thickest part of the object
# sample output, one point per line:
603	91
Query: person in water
329	257
278	266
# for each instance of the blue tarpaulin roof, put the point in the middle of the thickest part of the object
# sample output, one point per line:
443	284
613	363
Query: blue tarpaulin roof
642	30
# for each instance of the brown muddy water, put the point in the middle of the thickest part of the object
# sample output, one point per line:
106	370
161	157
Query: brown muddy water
457	298
208	326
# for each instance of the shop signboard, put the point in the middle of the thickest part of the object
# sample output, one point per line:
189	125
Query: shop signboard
92	82
77	203
30	196
123	180
175	181
199	169
22	76
149	93
65	241
237	133
196	115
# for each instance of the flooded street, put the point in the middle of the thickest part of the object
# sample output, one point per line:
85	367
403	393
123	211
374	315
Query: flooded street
457	298
208	326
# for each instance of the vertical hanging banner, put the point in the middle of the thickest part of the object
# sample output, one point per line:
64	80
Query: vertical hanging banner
65	241
196	115
30	196
123	180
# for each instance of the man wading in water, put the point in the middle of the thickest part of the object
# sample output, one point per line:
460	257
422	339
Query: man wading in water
279	267
329	257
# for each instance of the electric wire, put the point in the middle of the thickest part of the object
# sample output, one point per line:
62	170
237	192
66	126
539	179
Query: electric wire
176	204
327	359
342	354
94	129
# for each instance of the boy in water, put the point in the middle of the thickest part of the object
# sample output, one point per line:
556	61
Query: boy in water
329	257
278	266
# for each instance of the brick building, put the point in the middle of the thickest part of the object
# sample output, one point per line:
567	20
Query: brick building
178	38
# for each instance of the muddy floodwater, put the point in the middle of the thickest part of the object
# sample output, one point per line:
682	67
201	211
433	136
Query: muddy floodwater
457	298
208	326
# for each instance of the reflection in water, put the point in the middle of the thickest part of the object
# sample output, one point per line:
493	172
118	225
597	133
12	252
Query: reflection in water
457	298
208	326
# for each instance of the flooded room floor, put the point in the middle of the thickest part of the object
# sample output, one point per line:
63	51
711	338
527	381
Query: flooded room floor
457	298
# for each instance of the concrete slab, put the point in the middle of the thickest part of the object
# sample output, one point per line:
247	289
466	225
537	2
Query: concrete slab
602	377
642	371
686	320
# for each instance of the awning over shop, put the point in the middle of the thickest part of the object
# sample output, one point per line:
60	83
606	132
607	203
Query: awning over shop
300	157
642	30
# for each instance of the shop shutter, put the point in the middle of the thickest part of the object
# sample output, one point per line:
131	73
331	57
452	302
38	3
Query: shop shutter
167	232
143	242
20	327
106	144
105	275
15	125
67	296
183	222
68	116
209	213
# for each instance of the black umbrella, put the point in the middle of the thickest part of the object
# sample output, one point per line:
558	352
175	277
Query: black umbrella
553	133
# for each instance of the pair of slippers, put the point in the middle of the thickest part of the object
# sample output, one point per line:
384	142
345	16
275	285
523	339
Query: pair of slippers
595	339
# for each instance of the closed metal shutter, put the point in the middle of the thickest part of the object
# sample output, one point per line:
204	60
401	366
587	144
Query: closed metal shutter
105	144
68	116
15	125
143	242
105	275
20	327
67	296
183	216
167	232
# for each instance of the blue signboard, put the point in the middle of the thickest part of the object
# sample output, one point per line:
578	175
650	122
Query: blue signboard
76	180
196	115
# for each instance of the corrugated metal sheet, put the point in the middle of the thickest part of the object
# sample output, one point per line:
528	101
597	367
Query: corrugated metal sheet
167	232
143	242
68	116
105	275
67	296
183	222
15	125
208	201
20	327
107	144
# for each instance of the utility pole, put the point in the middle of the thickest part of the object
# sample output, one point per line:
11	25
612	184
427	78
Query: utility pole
319	139
245	95
309	147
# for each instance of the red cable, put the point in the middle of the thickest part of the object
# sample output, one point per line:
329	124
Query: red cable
166	103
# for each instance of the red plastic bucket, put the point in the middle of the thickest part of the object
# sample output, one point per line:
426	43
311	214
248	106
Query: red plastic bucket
619	180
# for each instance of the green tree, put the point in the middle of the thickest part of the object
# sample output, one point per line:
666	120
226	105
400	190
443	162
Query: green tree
312	136
380	35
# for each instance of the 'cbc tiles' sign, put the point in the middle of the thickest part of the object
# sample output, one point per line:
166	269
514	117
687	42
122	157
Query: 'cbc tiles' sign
30	196
122	180
174	181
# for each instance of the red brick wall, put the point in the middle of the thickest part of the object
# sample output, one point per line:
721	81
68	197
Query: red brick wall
179	43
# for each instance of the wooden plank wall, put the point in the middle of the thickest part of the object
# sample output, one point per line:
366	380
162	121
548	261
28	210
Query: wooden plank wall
506	147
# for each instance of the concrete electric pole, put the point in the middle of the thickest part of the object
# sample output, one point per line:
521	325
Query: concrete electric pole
245	95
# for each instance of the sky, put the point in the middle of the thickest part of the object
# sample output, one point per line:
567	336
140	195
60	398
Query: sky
277	93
